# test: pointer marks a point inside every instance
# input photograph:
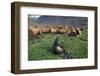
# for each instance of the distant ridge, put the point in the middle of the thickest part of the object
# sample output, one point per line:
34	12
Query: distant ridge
59	20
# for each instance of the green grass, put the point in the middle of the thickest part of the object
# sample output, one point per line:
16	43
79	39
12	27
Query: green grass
41	47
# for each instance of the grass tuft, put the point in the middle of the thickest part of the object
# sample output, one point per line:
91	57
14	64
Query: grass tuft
41	47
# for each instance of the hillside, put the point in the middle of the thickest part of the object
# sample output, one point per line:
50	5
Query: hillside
41	47
58	20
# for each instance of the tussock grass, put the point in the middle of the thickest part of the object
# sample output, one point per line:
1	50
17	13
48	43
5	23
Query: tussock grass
41	47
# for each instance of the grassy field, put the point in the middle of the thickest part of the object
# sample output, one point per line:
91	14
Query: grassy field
41	47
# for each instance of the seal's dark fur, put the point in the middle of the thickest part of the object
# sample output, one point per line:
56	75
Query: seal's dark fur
61	52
